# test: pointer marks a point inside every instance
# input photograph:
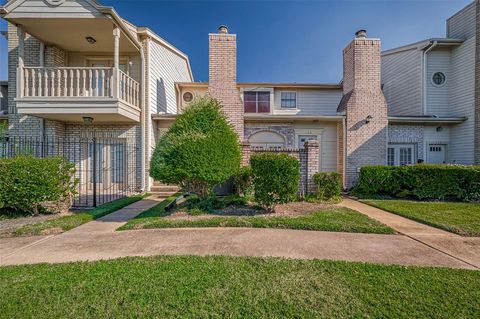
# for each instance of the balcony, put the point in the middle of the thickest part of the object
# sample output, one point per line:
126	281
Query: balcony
71	93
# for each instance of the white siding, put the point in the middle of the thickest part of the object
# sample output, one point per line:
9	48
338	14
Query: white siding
71	8
462	102
328	143
402	82
462	24
79	59
312	102
437	96
166	68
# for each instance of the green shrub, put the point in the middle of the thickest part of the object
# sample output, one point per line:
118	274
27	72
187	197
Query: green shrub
243	180
29	184
275	178
199	151
329	186
423	181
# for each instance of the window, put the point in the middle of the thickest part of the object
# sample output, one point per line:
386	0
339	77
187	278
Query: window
391	156
302	139
438	78
401	154
256	102
289	100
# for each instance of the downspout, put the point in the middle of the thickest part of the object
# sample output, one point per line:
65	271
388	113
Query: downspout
424	77
344	121
143	123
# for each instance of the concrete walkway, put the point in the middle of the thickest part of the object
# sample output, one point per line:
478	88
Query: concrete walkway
99	240
466	249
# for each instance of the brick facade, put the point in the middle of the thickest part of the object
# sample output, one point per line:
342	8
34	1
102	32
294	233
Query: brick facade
223	78
477	86
365	107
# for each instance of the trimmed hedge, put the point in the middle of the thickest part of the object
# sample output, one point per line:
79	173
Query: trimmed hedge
329	186
423	181
28	184
275	178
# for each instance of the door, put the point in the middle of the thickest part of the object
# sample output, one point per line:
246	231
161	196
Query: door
401	155
437	153
302	139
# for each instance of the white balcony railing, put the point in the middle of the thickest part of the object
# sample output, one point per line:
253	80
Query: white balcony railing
75	82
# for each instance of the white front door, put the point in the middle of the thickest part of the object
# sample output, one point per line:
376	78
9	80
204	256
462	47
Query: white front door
436	153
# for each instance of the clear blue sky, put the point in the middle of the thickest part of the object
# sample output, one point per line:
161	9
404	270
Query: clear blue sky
282	41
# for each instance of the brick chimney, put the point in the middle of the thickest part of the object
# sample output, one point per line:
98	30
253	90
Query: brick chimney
223	76
364	106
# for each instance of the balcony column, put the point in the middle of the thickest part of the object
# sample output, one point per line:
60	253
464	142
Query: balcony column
21	60
116	63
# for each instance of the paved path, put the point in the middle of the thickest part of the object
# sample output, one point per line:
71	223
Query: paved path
99	240
466	249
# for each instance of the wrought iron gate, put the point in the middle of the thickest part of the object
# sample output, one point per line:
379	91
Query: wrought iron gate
105	168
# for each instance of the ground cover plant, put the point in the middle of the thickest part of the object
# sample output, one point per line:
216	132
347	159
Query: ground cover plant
228	287
460	218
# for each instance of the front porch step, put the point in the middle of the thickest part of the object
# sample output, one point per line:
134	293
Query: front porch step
166	189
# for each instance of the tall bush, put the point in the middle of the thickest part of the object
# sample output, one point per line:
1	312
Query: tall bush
424	181
28	184
243	180
199	151
275	178
329	186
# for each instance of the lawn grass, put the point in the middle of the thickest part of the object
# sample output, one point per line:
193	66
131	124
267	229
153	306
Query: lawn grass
459	218
69	222
341	220
231	287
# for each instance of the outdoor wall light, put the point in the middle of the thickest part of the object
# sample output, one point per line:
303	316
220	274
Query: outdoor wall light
91	40
87	120
368	119
439	129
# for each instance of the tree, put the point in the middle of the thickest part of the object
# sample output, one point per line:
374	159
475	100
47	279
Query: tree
199	151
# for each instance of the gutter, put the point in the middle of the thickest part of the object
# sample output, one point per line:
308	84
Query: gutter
432	120
424	76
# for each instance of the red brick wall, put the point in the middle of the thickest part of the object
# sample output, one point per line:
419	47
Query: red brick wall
366	143
223	78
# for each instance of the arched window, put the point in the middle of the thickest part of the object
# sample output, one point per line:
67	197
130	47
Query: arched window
267	139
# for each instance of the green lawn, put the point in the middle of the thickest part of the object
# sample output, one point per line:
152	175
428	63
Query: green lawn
66	223
228	287
460	218
341	219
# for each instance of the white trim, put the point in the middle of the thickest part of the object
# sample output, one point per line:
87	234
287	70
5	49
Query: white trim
438	85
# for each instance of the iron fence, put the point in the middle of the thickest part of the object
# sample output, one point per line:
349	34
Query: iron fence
105	167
